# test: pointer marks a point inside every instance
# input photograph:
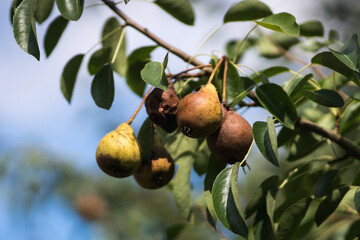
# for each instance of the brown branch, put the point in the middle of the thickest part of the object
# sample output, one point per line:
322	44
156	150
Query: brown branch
339	159
182	73
129	22
351	148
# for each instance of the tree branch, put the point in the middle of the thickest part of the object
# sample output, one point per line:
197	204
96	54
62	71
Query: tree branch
181	54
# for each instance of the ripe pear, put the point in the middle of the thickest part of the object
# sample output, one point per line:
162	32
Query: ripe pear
118	153
161	106
199	113
157	171
233	140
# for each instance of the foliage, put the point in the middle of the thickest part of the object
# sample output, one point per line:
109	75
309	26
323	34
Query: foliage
316	193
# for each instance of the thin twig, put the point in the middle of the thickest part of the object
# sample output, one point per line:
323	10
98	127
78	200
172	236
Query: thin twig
139	107
339	159
189	69
215	69
224	80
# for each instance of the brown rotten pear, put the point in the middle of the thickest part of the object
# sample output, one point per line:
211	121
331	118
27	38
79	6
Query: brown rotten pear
158	170
118	153
199	113
233	139
161	107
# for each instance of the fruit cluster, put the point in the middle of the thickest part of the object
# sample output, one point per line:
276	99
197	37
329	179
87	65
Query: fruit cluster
198	115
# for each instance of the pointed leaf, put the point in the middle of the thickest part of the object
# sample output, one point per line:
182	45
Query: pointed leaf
325	97
266	141
181	187
43	10
53	34
153	74
24	27
111	33
297	85
225	203
70	9
324	183
102	87
269	72
278	103
141	54
98	59
292	218
349	54
68	76
146	139
263	228
329	205
312	28
179	9
246	11
281	22
166	59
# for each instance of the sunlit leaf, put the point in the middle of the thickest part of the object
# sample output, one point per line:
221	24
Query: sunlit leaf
292	218
281	22
71	9
179	9
69	74
24	28
265	139
226	203
277	102
102	87
14	5
312	28
53	34
297	85
325	97
349	54
43	10
246	11
329	205
98	59
153	74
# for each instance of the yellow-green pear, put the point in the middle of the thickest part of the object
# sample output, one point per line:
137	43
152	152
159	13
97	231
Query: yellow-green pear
118	153
199	113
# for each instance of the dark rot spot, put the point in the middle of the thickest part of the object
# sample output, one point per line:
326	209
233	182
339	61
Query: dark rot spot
113	167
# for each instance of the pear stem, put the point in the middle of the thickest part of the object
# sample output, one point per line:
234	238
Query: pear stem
215	69
224	80
139	107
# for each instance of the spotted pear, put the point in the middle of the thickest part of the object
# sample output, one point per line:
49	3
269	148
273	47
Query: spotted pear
232	141
118	154
199	113
157	171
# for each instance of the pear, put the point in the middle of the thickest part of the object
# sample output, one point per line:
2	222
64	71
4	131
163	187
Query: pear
161	106
157	171
199	113
118	154
233	139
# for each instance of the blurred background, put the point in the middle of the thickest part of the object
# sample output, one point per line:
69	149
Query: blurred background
50	185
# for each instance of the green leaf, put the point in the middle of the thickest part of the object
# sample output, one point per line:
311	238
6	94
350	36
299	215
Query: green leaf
246	11
165	61
201	156
111	34
226	203
357	200
324	183
269	72
246	85
329	60
234	85
24	28
181	187
53	34
153	74
43	10
297	85
263	228
70	9
349	53
325	97
281	22
333	36
69	74
174	231
329	205
146	139
14	5
133	77
292	218
102	87
98	59
259	196
232	46
141	54
278	103
312	28
126	1
351	118
353	230
179	9
266	141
